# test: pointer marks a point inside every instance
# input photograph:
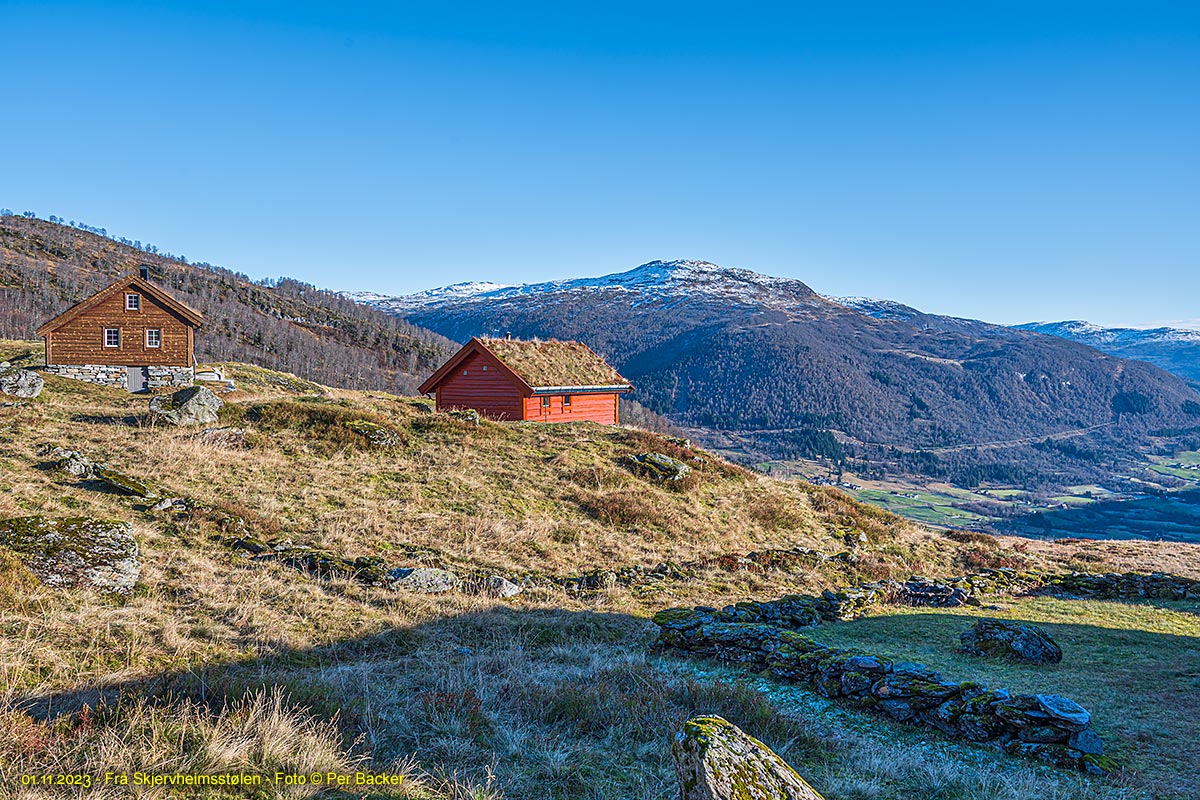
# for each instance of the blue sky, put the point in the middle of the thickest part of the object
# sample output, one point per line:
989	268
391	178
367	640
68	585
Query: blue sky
1009	162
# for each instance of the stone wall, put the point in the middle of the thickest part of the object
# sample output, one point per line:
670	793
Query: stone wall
1047	727
106	375
806	610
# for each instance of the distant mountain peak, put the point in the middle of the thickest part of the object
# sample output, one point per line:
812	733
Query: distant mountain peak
674	281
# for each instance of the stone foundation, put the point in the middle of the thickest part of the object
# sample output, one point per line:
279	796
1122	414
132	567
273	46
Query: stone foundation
92	373
160	377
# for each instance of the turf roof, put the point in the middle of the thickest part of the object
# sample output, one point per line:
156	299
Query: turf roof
552	363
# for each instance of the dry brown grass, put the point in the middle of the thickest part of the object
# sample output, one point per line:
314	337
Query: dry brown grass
515	713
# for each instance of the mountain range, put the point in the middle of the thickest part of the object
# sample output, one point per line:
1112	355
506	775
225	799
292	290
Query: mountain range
1174	349
769	369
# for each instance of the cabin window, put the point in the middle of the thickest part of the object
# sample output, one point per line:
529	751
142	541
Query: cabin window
112	337
546	402
567	401
133	302
153	337
464	372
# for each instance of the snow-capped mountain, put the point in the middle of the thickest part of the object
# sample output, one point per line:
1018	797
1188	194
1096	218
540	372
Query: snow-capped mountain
654	281
877	309
1174	349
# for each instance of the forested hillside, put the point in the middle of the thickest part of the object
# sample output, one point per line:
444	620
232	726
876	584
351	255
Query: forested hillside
284	324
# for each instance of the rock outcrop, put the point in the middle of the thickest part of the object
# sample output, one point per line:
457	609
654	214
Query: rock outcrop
195	405
378	436
424	580
716	760
1019	641
72	462
75	551
17	382
658	466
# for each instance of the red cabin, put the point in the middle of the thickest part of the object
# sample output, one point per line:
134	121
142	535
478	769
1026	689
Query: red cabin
511	379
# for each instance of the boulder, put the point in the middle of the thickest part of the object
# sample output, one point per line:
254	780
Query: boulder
1016	640
499	586
20	382
1065	713
423	580
377	436
659	466
75	551
71	462
124	484
228	438
716	760
195	405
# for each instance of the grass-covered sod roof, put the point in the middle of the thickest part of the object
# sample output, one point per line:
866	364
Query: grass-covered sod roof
552	363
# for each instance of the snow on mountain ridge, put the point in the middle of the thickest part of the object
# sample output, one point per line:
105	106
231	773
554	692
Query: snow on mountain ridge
655	280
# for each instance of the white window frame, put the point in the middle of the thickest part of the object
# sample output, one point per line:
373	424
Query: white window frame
151	345
566	401
133	301
117	331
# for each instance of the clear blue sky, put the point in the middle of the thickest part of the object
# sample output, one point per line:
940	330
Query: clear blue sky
1007	161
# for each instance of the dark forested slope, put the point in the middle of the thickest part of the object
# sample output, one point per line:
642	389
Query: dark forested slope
288	325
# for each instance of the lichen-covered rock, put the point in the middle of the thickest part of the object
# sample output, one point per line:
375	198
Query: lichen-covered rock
75	551
124	484
659	466
195	405
378	436
499	586
229	438
20	382
1065	712
1020	641
71	462
424	580
716	760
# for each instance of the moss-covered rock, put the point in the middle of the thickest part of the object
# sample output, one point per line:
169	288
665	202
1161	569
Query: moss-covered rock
658	466
125	484
716	760
1019	641
75	551
380	437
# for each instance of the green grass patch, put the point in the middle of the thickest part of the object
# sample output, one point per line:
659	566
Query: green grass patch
1135	666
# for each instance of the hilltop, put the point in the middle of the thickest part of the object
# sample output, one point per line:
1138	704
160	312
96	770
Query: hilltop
45	267
766	369
258	632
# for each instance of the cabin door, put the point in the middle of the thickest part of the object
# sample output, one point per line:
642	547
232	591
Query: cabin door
138	379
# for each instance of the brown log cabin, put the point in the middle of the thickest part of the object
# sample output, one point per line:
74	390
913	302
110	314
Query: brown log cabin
546	381
131	333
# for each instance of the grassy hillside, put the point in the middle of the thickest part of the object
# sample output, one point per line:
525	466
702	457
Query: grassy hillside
219	661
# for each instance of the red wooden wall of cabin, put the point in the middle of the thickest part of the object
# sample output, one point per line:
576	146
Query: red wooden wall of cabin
597	407
481	386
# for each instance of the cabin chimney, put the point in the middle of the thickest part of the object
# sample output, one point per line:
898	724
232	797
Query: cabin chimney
144	273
